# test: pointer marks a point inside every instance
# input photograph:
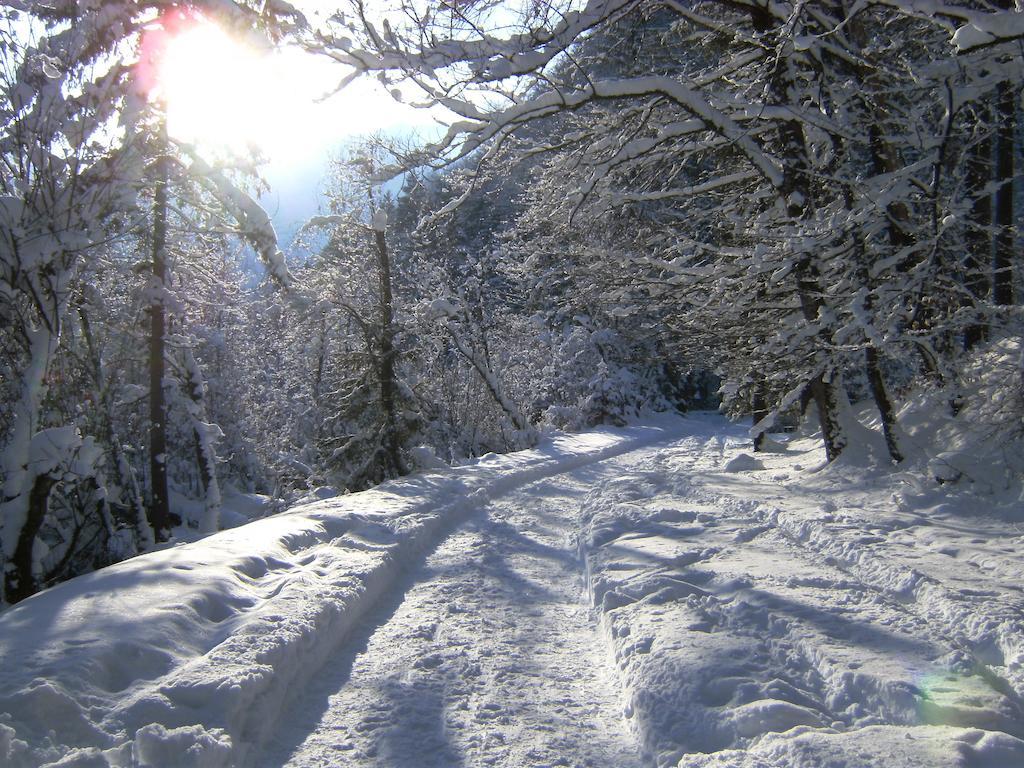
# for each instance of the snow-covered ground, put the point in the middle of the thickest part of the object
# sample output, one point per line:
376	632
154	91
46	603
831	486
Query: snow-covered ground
488	655
765	615
647	596
189	656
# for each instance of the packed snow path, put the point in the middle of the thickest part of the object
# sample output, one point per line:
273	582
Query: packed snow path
645	597
740	634
492	657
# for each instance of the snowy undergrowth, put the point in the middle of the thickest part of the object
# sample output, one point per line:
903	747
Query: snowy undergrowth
766	613
187	656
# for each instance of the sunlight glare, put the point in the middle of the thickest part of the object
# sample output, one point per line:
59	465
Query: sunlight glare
227	95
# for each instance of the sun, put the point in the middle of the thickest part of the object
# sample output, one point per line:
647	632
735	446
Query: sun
228	94
207	84
220	93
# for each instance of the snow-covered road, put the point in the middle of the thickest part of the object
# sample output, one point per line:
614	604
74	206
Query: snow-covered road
657	608
490	656
644	597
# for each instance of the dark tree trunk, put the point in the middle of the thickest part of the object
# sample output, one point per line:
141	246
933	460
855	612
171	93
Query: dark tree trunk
795	194
886	159
760	412
979	238
1002	264
388	381
826	397
882	402
824	392
21	581
159	506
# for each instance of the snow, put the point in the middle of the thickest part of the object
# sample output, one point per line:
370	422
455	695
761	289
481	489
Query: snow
490	658
186	654
977	28
423	457
971	36
758	621
439	309
655	595
743	462
240	507
987	28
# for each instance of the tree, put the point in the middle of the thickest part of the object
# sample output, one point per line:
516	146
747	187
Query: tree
767	112
73	165
374	416
59	181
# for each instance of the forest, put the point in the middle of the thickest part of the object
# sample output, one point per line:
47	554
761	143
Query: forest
642	386
786	210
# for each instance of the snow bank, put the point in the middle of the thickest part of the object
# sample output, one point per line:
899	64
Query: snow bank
763	615
924	747
187	656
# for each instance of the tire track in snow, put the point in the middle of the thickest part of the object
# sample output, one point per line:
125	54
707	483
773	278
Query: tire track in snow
987	627
489	656
737	644
213	640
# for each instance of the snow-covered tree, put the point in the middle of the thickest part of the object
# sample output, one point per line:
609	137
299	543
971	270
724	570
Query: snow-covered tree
74	163
745	138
